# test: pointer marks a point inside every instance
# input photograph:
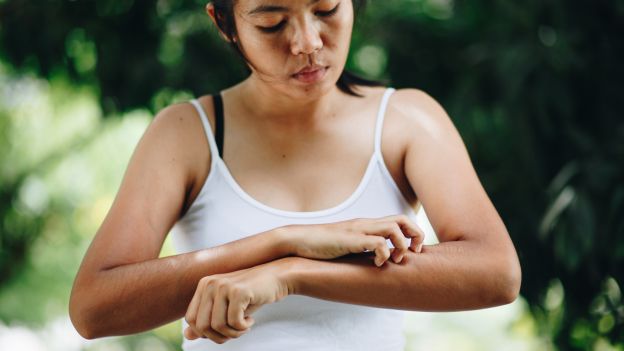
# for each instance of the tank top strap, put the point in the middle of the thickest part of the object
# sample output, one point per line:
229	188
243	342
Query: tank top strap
380	118
214	151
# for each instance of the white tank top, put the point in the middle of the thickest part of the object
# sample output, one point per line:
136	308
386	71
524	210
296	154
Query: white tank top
296	322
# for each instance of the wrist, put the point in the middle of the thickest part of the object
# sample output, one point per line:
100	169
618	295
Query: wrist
287	271
285	241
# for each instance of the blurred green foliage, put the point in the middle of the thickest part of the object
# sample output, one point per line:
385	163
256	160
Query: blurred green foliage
533	87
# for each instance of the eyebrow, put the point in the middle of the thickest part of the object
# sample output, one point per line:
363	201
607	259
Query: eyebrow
274	8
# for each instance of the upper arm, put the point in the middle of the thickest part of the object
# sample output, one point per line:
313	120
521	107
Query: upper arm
152	193
440	172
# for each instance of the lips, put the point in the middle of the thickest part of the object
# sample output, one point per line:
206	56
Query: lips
309	69
310	74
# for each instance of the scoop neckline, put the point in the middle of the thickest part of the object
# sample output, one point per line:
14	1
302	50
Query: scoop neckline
301	214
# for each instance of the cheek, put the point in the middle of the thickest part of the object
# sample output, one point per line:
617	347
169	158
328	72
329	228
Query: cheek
339	32
260	49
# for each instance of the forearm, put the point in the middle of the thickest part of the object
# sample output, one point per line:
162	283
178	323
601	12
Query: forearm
137	297
450	276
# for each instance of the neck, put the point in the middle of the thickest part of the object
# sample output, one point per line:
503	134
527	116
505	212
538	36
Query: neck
269	106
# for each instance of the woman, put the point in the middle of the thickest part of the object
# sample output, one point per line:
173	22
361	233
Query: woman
281	215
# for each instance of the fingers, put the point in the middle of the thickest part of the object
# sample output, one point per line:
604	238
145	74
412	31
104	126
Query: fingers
410	230
204	320
396	228
392	231
191	311
377	244
397	238
218	311
191	334
219	315
236	312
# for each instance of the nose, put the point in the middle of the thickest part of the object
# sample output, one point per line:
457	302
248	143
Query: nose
306	39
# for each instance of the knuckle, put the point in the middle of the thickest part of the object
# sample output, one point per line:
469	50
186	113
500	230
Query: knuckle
209	279
237	324
420	235
218	326
391	228
395	228
222	286
190	317
400	239
235	291
397	217
202	327
402	218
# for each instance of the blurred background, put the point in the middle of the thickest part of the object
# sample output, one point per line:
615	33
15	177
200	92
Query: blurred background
534	87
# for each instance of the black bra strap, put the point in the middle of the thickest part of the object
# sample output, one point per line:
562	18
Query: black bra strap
218	110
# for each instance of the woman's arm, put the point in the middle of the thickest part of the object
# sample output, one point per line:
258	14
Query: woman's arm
122	286
136	297
450	276
475	265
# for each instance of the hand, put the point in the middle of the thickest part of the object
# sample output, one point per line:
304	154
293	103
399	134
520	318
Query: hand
223	303
331	240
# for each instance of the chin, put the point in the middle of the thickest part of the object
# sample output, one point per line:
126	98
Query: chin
309	93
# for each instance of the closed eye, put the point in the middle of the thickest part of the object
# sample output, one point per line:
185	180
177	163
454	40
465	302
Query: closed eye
279	26
272	29
328	13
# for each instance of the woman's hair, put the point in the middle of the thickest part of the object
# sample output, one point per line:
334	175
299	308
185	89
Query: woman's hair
224	16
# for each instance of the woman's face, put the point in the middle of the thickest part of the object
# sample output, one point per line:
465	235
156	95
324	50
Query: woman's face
298	47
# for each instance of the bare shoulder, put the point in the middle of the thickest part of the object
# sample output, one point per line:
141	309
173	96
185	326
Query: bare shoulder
421	113
422	126
179	129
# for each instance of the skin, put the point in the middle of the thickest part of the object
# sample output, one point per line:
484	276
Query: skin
284	142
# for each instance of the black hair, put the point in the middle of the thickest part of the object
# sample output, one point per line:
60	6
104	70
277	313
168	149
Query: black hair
224	16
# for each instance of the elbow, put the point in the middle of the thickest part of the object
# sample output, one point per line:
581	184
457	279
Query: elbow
79	319
81	316
79	322
508	282
82	329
